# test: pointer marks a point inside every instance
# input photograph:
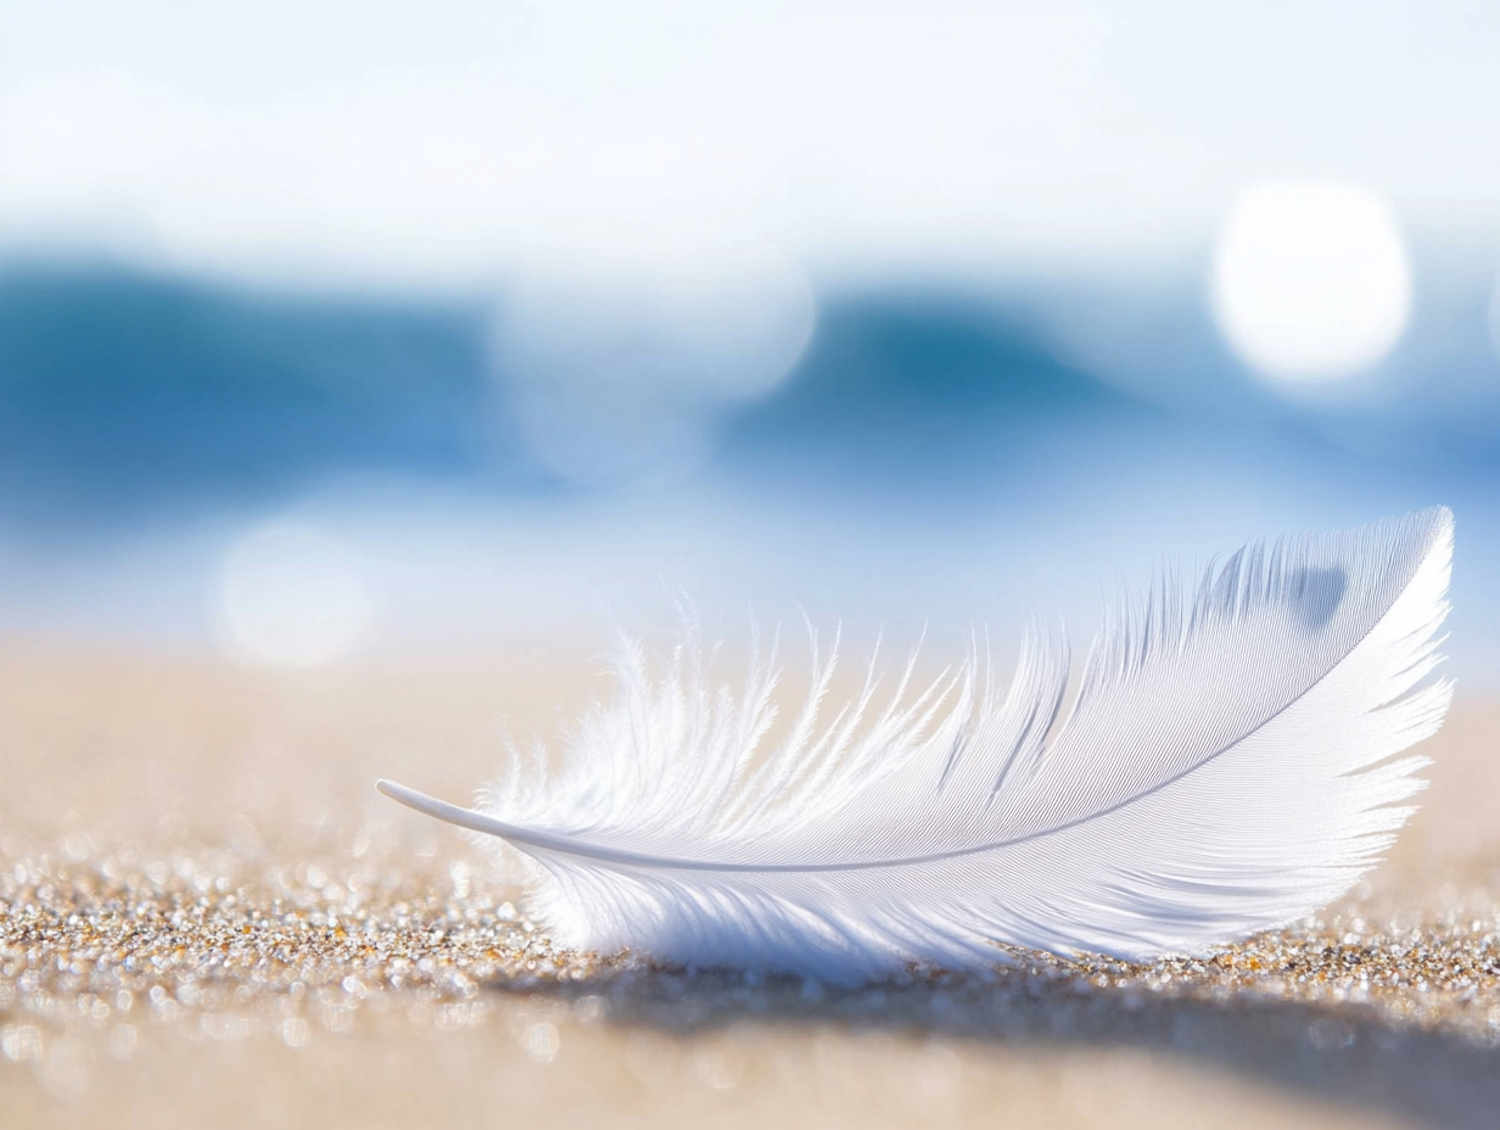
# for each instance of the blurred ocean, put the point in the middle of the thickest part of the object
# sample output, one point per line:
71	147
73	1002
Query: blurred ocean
469	325
185	462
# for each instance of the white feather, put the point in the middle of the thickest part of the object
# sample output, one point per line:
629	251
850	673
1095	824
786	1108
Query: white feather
1226	767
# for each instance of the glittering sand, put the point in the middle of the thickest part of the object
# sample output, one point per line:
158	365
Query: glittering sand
207	917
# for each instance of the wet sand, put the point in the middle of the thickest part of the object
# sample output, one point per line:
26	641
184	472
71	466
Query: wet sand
206	914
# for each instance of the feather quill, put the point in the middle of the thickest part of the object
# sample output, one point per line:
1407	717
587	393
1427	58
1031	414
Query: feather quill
1228	765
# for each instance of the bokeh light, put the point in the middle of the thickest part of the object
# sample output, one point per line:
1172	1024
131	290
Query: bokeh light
1311	281
619	367
291	595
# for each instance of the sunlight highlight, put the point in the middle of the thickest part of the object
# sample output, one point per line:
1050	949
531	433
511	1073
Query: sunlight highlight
1311	281
293	596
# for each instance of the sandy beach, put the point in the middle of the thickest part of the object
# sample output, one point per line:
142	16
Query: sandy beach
206	914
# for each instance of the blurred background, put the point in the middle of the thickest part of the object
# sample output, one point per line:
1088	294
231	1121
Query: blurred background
330	331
